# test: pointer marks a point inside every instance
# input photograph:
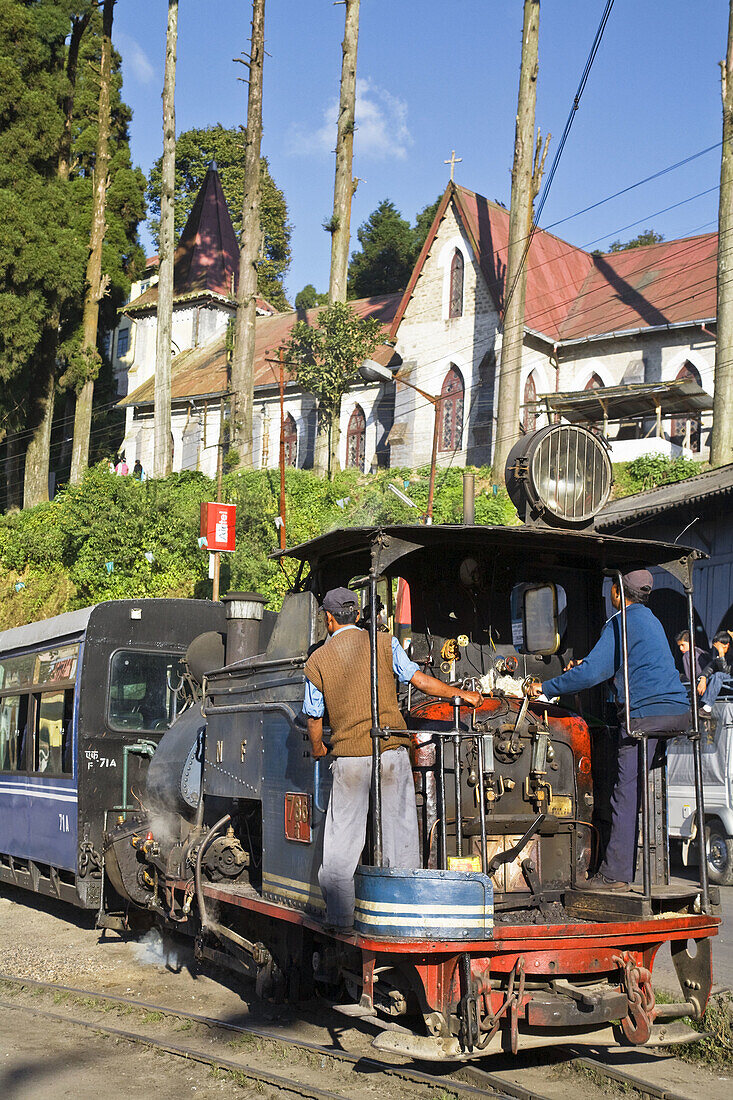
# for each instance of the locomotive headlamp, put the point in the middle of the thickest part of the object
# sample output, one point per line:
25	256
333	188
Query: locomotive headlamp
560	475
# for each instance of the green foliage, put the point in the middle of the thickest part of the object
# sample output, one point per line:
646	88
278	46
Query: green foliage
389	249
195	150
309	297
649	471
59	550
385	261
647	237
716	1048
326	356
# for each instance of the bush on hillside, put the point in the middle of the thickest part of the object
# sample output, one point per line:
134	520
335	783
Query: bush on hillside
57	553
649	471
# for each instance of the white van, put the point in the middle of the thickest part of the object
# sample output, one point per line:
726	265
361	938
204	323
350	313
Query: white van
717	773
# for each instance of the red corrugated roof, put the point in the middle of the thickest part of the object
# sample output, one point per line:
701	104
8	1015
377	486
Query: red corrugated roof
572	294
661	284
202	371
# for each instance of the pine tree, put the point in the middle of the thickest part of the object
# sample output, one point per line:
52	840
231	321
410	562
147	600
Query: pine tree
387	253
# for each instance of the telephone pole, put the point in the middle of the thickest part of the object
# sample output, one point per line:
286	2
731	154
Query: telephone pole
721	443
520	224
162	407
250	244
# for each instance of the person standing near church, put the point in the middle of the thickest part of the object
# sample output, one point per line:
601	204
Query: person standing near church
338	679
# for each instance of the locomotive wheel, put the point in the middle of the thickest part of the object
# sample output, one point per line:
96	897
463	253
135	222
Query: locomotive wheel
719	853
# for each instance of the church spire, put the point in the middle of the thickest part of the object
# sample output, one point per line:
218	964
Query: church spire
207	257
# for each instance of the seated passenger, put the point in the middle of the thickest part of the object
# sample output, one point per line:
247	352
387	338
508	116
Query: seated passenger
658	701
338	679
715	672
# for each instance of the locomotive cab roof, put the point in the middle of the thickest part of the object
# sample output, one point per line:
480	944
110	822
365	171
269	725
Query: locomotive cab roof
382	546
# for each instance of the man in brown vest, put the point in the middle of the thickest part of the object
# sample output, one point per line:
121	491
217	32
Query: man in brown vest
338	679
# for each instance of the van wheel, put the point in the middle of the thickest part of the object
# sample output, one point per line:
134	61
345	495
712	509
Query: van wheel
719	851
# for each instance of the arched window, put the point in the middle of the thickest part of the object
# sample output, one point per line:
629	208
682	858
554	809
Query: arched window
530	413
595	382
451	411
685	431
455	306
355	439
290	439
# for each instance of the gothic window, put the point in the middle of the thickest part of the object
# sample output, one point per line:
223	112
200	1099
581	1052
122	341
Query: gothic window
355	439
687	429
455	308
290	439
530	413
595	382
450	411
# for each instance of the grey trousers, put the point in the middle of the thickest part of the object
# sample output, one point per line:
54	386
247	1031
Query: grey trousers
346	820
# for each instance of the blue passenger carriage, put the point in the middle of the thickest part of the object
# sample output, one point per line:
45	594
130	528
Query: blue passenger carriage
84	699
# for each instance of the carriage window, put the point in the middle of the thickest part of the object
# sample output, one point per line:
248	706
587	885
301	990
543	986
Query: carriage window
13	732
51	666
53	732
142	693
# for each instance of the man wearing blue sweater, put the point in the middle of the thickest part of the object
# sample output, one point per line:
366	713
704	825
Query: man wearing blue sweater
659	704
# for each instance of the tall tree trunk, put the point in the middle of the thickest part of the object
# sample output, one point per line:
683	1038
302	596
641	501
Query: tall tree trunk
12	473
162	414
326	457
37	456
520	222
721	444
344	185
334	439
242	368
96	283
78	26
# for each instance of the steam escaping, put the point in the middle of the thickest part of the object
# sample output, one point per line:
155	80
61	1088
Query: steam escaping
156	949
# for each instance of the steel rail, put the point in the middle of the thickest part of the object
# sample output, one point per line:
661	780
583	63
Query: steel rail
189	1053
500	1090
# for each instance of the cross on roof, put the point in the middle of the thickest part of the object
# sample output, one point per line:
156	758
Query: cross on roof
454	160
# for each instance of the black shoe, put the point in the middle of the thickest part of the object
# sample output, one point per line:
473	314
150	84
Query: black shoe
339	929
599	883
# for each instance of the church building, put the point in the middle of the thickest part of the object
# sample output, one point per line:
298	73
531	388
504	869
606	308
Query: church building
623	342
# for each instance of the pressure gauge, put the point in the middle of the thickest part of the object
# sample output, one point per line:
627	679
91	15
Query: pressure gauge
470	573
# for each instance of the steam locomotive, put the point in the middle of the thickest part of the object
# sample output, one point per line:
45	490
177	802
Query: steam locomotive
490	945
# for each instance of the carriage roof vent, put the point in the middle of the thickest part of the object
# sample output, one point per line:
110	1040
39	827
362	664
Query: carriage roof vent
560	476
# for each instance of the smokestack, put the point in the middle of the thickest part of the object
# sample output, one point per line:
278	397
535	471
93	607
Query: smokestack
469	497
244	615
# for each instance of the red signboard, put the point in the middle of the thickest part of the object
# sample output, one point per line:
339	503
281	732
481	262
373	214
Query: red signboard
217	526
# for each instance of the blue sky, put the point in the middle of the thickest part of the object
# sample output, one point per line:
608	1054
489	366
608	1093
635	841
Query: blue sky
437	75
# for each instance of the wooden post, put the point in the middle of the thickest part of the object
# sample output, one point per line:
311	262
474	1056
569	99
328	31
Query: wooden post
162	407
250	244
433	457
520	224
217	554
282	452
721	443
96	283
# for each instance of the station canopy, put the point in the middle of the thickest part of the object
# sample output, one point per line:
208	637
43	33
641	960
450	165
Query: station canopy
683	398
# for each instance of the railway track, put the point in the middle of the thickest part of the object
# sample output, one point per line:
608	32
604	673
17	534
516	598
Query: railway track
467	1080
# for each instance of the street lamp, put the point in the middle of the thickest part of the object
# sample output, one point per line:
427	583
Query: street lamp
372	371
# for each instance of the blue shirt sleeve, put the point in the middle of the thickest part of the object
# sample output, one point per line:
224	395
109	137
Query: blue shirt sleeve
601	664
404	668
313	704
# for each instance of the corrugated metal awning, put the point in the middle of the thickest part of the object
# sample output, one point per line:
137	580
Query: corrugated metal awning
681	398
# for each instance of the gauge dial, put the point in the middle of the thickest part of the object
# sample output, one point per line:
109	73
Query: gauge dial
470	573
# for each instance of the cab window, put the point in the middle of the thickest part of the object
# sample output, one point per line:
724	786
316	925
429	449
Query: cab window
142	692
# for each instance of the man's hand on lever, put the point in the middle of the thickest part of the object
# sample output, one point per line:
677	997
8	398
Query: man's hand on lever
430	685
533	687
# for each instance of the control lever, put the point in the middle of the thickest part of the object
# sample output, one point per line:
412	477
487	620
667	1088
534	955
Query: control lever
511	853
